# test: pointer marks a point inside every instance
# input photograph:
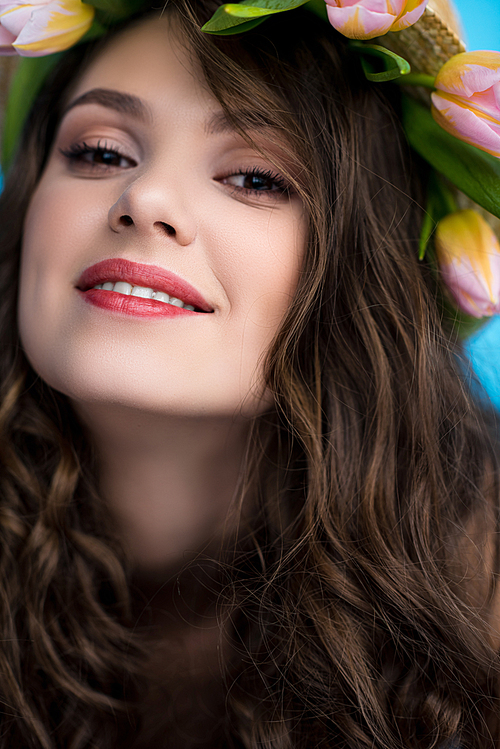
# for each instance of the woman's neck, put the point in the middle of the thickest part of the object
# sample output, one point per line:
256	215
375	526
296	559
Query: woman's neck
170	486
169	482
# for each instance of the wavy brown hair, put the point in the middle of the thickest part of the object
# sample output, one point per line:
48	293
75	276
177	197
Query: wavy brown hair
360	591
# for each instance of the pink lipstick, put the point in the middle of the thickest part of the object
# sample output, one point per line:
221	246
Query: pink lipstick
137	274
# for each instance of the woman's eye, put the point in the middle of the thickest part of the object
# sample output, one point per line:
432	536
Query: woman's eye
257	181
97	157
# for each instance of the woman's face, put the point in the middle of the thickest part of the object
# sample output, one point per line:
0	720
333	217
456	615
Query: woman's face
148	187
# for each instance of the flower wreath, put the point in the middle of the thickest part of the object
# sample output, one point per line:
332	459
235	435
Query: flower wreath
458	134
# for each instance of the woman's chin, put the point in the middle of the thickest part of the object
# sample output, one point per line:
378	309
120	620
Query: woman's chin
131	387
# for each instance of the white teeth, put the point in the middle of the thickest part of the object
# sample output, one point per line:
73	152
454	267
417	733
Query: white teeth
142	291
161	296
122	287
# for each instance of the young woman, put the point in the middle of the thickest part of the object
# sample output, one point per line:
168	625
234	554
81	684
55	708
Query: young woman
246	497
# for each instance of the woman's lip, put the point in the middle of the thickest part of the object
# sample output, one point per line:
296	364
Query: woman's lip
133	305
137	274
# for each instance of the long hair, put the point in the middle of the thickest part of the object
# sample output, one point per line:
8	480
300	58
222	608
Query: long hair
359	590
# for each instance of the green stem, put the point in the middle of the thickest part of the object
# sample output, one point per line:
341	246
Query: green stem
451	203
417	79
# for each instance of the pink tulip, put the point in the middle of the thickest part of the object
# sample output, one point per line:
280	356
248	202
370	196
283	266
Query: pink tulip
468	255
33	28
467	100
366	19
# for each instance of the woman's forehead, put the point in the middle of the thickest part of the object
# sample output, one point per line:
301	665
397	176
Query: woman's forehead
148	60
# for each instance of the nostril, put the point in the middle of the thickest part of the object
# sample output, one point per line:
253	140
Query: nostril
126	220
167	228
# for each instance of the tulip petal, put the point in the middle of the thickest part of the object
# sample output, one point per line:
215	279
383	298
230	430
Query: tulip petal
467	290
54	27
9	5
414	10
395	7
6	40
485	102
475	128
468	253
469	72
15	19
358	22
496	94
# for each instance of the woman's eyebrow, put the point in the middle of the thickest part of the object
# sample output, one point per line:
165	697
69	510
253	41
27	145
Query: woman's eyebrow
117	100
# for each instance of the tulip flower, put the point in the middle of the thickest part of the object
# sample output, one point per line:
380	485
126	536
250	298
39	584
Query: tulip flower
467	100
366	19
468	254
36	28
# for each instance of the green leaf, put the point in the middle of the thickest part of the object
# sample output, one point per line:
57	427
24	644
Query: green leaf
440	202
229	18
426	232
394	65
97	30
240	28
392	73
28	79
246	11
115	10
318	7
474	172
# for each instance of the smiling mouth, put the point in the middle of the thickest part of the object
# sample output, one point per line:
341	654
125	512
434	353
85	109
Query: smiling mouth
144	292
149	285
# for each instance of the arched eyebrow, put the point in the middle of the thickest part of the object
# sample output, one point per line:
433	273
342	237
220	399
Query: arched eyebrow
117	100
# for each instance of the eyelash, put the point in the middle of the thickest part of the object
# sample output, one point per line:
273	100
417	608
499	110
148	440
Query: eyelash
76	153
282	187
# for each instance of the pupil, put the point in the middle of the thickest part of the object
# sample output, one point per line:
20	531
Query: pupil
256	182
106	157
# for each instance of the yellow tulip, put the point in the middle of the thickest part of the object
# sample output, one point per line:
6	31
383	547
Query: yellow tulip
34	29
366	19
467	100
468	255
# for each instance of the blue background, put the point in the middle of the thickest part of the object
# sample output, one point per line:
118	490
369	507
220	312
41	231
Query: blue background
481	23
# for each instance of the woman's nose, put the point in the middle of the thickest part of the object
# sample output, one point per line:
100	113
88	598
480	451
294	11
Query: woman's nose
151	205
